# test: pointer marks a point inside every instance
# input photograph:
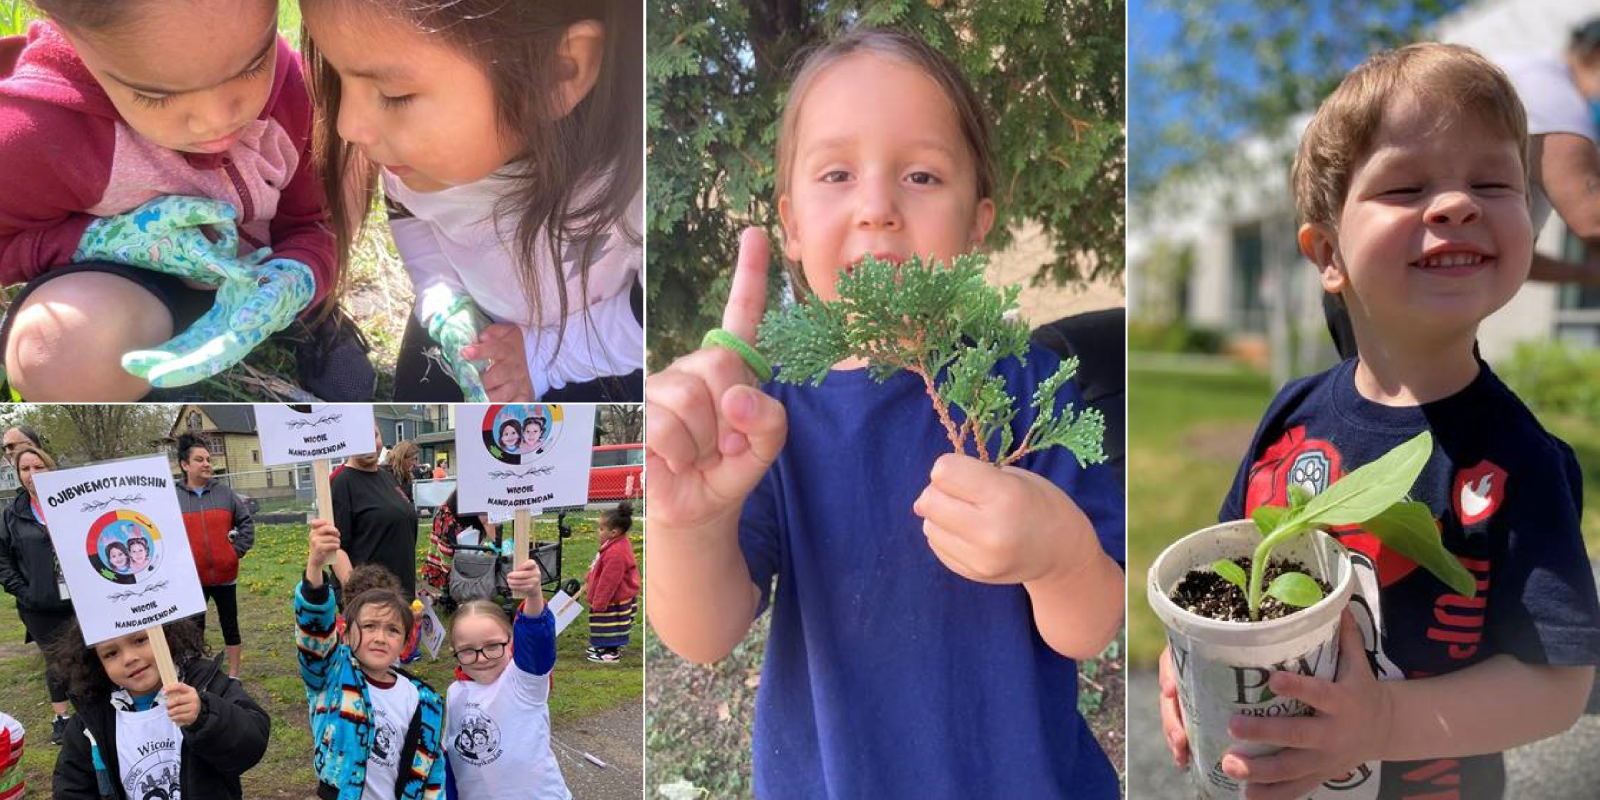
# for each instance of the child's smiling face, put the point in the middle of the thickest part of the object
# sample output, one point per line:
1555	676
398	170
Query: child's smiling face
478	631
411	104
1434	234
880	166
187	76
130	662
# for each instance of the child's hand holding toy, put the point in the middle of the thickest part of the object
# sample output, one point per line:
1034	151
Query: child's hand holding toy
454	327
197	238
506	380
184	236
253	302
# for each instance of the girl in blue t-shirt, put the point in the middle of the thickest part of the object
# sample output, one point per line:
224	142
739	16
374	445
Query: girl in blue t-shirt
928	603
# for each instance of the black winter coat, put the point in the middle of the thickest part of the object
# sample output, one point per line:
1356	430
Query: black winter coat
28	560
228	738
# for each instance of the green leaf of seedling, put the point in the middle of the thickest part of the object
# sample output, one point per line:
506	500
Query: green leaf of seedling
1296	589
1297	496
1409	529
1368	490
1230	572
1267	518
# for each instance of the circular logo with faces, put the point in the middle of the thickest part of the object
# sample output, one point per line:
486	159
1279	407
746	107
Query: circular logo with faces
520	433
124	546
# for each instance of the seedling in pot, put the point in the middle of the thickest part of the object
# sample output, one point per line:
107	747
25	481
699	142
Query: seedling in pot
1372	496
950	328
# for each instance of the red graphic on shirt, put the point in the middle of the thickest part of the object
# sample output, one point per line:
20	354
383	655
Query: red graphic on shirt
1312	463
1390	565
1479	490
1315	464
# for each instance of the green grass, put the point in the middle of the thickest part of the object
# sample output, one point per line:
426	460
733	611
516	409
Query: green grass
1187	432
270	673
1186	435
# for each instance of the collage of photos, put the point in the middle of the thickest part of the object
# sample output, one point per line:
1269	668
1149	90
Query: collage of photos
1043	399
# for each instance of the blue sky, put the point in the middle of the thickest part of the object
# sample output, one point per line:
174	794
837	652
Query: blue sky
1153	35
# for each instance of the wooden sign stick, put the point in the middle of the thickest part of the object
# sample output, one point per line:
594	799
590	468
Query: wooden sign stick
521	524
319	478
164	665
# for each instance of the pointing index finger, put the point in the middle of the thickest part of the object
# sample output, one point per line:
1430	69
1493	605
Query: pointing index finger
747	300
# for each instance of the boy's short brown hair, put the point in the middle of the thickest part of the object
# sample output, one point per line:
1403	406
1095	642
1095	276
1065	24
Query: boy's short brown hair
1453	79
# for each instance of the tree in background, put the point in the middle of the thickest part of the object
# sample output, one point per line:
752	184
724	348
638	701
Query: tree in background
1049	71
1207	74
88	433
623	424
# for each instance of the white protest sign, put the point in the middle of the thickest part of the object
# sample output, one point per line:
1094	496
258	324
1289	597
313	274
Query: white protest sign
432	629
124	552
565	609
296	433
522	457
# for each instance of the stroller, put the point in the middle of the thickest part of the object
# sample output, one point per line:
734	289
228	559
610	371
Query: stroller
478	571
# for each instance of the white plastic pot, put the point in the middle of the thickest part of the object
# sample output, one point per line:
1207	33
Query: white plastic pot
1222	667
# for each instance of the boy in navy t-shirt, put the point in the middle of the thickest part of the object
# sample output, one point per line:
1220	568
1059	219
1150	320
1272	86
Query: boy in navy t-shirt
1411	186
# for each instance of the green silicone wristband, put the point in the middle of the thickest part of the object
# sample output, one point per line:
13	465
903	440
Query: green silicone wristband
721	337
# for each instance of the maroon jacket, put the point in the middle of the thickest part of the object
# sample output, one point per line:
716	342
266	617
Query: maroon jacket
614	576
68	158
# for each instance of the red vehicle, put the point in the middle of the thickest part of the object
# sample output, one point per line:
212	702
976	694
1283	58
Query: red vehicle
616	472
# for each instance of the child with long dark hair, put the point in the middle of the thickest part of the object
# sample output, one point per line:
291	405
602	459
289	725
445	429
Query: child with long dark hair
508	139
135	739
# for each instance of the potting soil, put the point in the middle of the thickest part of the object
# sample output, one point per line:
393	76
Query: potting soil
1208	594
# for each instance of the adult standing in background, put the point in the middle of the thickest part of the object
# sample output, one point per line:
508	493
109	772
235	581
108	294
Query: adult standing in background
1562	96
403	464
221	531
19	436
30	571
377	523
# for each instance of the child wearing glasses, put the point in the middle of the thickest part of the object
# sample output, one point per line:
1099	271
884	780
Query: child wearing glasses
497	722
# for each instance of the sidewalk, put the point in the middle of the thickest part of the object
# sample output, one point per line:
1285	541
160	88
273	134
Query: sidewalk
616	737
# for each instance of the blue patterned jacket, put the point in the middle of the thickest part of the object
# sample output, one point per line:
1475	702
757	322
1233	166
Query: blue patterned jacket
341	727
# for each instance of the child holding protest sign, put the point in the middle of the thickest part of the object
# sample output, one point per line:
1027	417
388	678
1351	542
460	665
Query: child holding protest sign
499	719
399	756
192	739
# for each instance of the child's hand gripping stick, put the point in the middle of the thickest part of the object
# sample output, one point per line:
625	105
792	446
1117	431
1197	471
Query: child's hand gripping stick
710	433
321	544
455	327
252	304
191	237
526	581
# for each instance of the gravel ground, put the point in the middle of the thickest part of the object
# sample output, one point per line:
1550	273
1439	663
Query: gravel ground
1558	768
616	737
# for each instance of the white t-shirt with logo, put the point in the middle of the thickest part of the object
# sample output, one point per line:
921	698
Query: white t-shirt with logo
497	737
392	710
149	754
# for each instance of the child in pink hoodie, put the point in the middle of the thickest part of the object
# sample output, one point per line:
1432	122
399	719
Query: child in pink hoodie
153	152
